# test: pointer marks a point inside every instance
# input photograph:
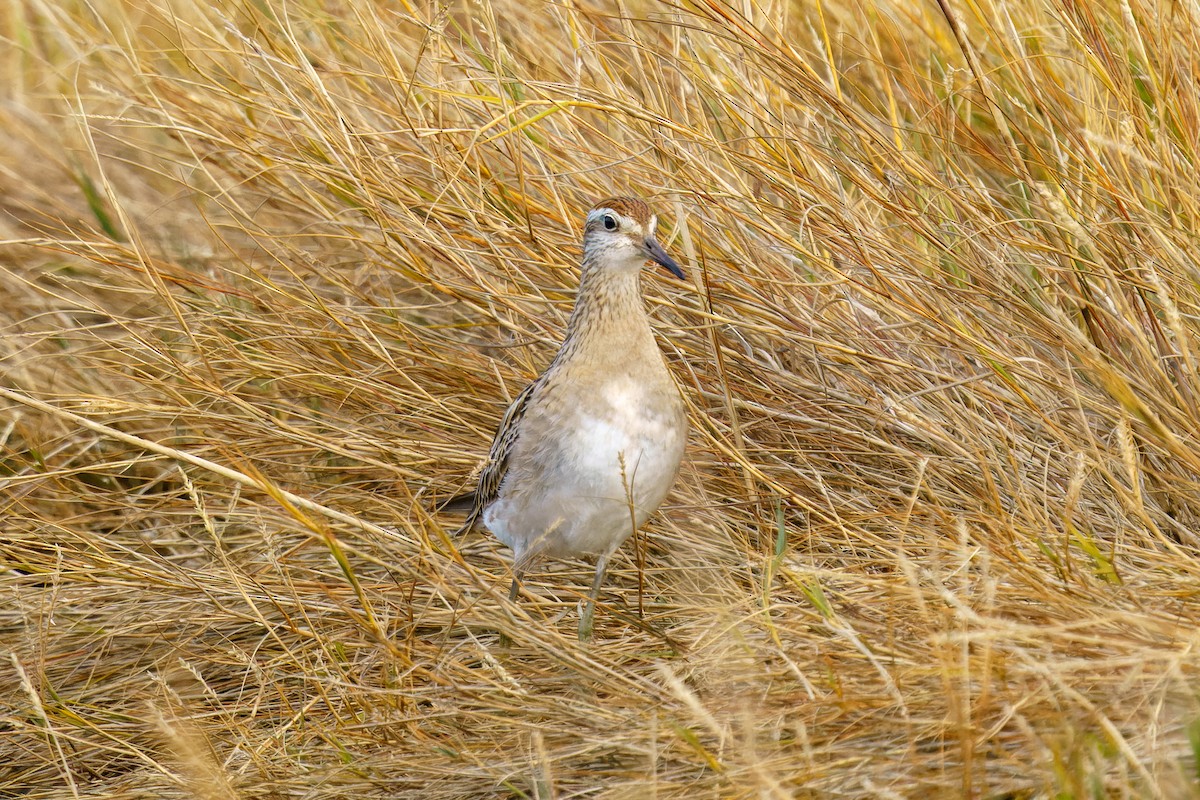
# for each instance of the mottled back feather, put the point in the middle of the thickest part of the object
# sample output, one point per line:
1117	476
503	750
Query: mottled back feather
492	474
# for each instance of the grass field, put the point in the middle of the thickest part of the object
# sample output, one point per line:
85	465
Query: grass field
270	272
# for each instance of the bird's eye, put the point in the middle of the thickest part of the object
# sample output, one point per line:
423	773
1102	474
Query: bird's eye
610	222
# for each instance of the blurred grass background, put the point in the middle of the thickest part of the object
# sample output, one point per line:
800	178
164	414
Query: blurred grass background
936	532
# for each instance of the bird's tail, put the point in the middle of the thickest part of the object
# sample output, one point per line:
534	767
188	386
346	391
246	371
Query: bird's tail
460	503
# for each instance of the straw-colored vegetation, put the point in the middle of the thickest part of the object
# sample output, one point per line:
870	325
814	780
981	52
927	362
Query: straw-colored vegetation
272	270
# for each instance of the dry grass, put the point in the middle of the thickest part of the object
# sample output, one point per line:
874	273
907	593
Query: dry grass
937	532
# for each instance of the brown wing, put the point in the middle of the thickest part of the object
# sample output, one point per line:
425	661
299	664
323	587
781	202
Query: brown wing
496	467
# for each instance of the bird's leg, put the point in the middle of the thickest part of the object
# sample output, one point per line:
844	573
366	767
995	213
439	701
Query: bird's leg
589	610
513	591
518	575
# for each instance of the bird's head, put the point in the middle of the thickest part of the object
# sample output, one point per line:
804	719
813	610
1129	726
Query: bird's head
620	235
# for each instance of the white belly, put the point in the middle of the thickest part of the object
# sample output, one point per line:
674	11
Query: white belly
600	478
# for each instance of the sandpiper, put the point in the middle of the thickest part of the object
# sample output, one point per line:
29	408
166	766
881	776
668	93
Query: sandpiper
587	452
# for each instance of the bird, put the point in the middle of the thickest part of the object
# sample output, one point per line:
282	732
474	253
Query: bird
588	451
